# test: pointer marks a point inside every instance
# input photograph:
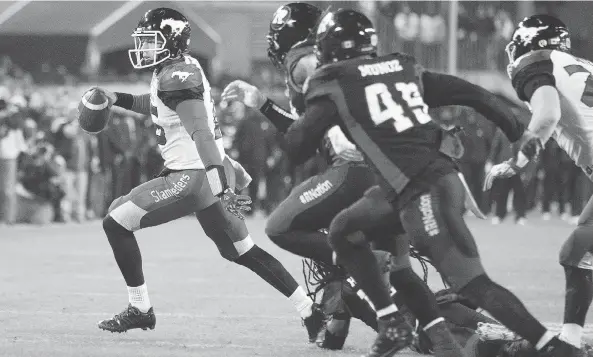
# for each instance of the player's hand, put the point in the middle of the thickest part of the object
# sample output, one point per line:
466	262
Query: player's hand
235	204
111	96
245	93
342	146
451	144
503	170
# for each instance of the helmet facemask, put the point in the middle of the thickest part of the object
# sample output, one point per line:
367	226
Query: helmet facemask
144	57
510	50
274	54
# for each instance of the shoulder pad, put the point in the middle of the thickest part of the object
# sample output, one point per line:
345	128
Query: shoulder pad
180	76
527	60
321	82
528	66
298	68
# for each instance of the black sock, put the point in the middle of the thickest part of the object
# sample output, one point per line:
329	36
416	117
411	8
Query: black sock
308	244
360	262
505	307
126	252
463	316
270	269
579	293
415	295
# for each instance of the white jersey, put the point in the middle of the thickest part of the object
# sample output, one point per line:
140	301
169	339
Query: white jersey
177	81
574	82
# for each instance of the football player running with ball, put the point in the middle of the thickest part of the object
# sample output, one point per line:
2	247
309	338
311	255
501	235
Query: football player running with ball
198	177
559	90
381	104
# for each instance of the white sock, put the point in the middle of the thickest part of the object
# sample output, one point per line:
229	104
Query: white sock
433	322
302	302
572	333
138	297
547	337
386	311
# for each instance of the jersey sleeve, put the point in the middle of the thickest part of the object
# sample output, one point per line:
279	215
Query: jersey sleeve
443	89
303	137
179	83
531	72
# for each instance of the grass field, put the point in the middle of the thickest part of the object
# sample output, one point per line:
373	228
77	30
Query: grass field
56	282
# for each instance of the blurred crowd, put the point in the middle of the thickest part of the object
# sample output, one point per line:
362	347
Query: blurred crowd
51	171
554	185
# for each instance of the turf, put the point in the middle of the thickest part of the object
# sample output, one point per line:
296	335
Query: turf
57	281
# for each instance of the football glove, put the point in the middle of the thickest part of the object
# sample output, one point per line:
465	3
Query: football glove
451	144
529	150
244	93
235	204
342	146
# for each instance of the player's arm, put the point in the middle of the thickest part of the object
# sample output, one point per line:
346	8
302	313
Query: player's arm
545	107
304	135
186	98
279	117
442	89
194	116
252	97
534	81
136	103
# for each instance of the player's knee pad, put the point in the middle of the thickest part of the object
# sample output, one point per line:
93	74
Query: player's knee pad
113	229
229	234
339	235
229	249
576	250
340	225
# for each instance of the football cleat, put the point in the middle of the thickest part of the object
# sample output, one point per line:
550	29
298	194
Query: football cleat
559	348
314	323
129	319
334	332
394	335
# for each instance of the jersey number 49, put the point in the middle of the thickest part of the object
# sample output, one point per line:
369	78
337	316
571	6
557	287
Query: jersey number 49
411	98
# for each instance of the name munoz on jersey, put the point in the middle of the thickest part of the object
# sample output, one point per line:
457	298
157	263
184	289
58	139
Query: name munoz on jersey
180	80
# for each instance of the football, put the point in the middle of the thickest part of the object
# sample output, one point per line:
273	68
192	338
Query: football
93	111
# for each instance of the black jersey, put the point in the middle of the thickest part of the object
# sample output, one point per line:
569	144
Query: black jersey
382	106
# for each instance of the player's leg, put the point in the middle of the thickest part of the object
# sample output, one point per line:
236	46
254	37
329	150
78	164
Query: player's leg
160	200
500	190
355	254
338	312
435	220
577	259
294	225
376	217
234	243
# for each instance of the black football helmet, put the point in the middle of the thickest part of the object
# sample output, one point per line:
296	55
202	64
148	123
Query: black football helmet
344	34
161	34
538	32
291	24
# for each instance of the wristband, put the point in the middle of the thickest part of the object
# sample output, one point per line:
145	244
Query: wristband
278	116
124	100
217	179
